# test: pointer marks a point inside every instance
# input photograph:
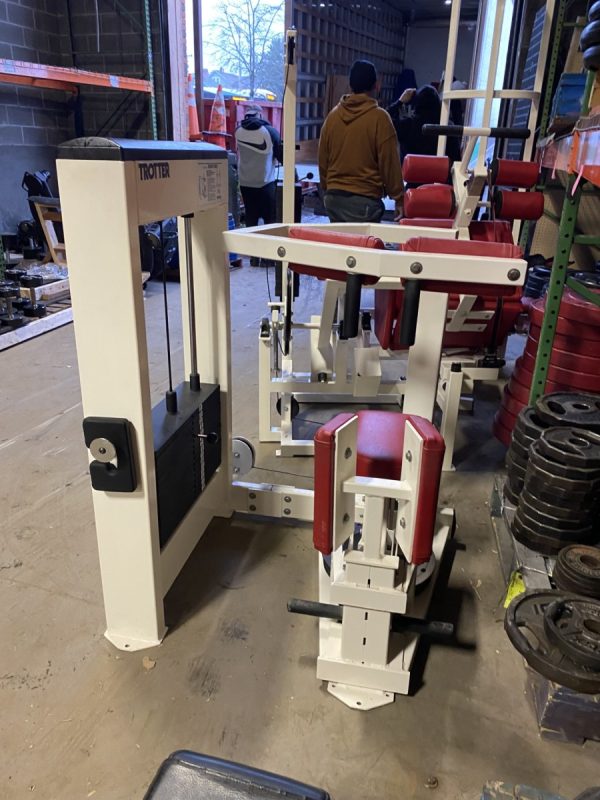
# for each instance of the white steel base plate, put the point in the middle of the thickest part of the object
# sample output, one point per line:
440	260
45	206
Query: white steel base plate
130	644
360	698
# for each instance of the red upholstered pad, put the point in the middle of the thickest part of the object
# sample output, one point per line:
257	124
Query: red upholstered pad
432	200
425	222
507	172
497	231
518	205
380	443
425	169
462	247
350	240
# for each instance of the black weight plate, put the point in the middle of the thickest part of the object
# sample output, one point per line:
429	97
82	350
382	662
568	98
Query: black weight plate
594	12
555	508
16	321
525	441
573	626
514	468
590	35
530	423
560	532
593	793
572	409
521	452
540	271
579	566
591	57
574	447
526	614
575	521
515	461
531	537
539	469
510	494
557	469
538	487
516	483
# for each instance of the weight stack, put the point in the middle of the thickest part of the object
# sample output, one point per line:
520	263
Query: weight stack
528	429
574	363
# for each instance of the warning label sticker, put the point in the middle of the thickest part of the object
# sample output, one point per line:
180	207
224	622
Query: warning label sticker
210	183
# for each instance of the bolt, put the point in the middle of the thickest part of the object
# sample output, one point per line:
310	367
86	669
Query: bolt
287	499
252	508
351	261
281	252
431	782
348	453
346	518
513	274
416	267
408	455
403	523
102	450
236	470
236	455
252	496
287	512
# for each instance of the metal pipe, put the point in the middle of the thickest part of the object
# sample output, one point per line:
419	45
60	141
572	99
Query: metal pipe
189	271
150	66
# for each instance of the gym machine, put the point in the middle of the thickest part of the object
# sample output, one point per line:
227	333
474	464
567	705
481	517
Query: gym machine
371	368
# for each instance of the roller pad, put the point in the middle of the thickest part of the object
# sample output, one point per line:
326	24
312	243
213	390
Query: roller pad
433	200
426	169
518	205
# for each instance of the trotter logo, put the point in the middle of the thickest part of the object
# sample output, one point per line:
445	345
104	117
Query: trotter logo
154	171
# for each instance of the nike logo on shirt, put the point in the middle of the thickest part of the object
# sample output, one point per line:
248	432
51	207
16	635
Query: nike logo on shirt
262	146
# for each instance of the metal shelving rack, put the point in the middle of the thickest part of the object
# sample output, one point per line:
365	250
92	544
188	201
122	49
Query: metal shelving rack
579	156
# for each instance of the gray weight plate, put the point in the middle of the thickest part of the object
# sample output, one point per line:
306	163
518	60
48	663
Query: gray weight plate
561	470
574	447
524	626
573	625
572	409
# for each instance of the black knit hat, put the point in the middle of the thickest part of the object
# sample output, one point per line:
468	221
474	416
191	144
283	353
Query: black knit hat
363	76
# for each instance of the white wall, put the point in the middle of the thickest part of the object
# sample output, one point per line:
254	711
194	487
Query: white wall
426	51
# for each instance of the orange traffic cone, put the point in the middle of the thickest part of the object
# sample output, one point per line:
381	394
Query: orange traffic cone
194	132
218	120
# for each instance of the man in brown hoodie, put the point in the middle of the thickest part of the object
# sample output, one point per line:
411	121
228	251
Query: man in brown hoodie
359	163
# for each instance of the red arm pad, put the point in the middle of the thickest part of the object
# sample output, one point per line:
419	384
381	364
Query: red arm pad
432	200
425	169
350	240
521	174
518	205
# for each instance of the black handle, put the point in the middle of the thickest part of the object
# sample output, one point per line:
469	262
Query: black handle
351	307
410	313
399	624
458	130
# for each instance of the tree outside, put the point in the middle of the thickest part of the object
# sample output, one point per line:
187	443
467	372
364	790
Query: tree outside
245	38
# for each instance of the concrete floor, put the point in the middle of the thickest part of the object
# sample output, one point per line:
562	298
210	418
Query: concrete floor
235	677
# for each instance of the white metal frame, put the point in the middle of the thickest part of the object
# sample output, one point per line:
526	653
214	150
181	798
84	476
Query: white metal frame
372	579
113	364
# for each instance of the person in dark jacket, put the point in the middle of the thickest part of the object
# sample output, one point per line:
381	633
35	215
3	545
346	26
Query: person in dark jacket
259	152
409	113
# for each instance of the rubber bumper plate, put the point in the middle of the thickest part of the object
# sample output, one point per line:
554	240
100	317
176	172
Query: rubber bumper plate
569	344
575	447
565	325
582	381
570	360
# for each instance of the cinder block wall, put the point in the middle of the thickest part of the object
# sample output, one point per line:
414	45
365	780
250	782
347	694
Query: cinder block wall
33	121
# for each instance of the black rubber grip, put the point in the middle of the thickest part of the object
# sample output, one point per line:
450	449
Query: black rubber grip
351	307
313	609
410	313
458	130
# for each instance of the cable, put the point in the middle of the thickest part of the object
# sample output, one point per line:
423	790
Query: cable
170	395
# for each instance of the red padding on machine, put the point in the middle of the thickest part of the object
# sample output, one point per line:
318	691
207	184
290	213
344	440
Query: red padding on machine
351	240
462	247
518	205
380	446
520	174
426	169
433	200
423	222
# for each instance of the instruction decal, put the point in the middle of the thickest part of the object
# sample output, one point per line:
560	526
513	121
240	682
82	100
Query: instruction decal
210	183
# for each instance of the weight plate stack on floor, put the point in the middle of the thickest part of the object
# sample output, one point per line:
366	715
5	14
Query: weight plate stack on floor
548	627
577	570
558	503
528	428
574	362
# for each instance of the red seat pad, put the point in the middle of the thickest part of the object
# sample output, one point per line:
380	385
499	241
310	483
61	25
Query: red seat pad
380	449
487	231
351	240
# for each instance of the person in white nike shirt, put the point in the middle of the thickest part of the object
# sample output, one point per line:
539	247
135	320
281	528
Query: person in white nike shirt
259	152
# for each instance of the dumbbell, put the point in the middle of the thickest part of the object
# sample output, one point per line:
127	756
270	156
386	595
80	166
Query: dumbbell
31	282
14	274
10	319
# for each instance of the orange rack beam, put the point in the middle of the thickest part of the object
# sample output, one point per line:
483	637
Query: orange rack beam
65	78
578	153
